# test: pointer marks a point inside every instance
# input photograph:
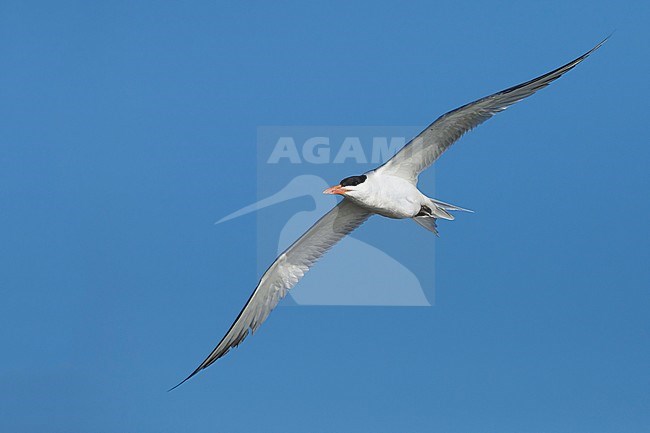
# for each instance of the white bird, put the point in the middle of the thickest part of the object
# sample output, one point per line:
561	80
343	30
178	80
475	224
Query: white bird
389	190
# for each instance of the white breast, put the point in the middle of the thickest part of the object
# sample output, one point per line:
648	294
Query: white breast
389	196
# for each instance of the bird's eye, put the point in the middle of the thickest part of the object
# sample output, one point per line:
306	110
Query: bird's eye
353	180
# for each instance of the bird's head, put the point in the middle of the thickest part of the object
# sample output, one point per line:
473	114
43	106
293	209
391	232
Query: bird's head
350	186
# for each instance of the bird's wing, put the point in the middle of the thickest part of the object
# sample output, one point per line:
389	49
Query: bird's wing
423	150
285	273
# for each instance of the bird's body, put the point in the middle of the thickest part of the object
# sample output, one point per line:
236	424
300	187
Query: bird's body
390	191
389	196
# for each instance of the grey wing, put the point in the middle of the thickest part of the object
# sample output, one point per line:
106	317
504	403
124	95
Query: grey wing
285	273
423	150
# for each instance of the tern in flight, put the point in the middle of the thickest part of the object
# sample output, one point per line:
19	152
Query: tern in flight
390	190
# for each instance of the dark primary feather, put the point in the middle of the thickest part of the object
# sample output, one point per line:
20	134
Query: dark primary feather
423	150
285	272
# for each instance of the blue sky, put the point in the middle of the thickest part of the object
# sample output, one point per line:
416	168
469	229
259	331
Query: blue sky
129	128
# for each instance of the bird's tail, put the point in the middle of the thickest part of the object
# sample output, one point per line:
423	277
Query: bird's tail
438	209
428	223
448	207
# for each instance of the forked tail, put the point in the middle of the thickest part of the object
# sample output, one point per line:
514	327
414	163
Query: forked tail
438	209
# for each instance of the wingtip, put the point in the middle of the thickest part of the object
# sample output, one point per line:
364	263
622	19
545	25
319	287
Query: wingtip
608	36
600	44
184	380
227	218
591	51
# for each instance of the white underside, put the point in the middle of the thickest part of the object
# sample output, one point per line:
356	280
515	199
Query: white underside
393	197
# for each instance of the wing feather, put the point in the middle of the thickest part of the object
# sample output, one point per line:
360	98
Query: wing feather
285	272
423	150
